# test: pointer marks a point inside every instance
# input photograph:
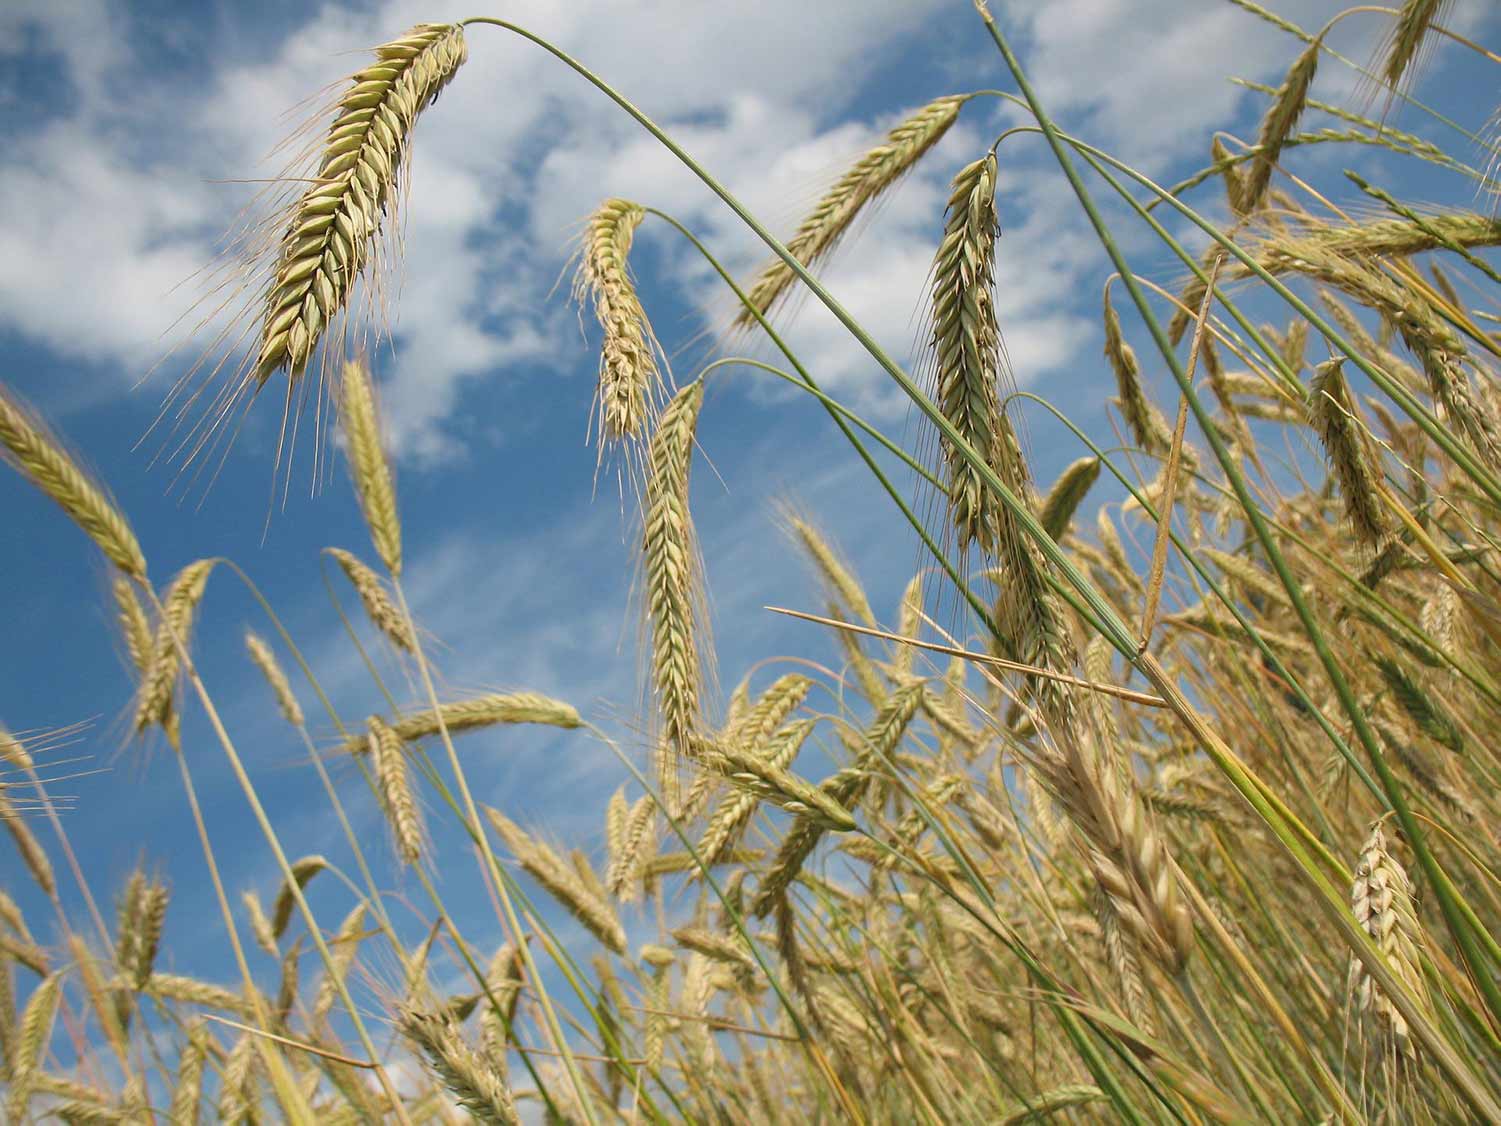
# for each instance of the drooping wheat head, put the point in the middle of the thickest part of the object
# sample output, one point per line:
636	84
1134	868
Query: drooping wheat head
626	400
333	229
1381	898
833	215
478	712
37	455
1278	124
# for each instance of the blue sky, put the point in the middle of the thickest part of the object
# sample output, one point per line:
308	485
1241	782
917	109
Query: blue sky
125	129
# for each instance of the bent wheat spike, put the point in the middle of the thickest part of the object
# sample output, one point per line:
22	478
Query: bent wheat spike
1414	20
1280	120
876	171
477	712
368	465
35	454
303	870
1068	492
334	227
625	399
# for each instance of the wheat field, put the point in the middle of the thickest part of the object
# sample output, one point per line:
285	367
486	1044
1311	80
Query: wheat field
1181	809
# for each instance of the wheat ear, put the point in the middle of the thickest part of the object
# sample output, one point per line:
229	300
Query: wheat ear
672	586
344	947
1060	503
388	753
1414	19
966	350
477	712
478	1088
37	455
832	216
728	821
262	656
630	382
1332	414
303	869
376	599
562	881
333	228
1381	899
154	700
846	787
143	914
32	853
33	1033
1280	120
187	1094
368	464
1148	427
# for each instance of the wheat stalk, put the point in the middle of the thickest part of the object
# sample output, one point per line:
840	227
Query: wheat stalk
832	216
332	230
38	456
368	465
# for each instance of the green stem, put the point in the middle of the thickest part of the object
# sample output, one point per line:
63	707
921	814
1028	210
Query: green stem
1459	924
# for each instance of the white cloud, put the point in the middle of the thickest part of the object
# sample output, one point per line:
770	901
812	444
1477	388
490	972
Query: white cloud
519	149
